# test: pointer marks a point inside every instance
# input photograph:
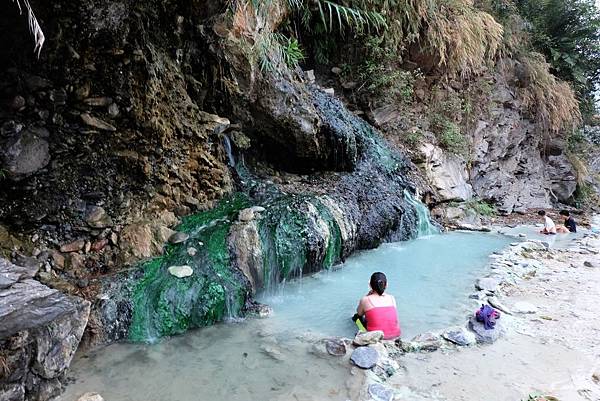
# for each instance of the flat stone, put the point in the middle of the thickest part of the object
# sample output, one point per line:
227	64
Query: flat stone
367	338
178	237
96	123
335	347
524	307
91	397
379	392
364	357
487	284
484	336
460	336
74	246
98	101
493	301
181	271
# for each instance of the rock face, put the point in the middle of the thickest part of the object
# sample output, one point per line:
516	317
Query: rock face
447	174
40	332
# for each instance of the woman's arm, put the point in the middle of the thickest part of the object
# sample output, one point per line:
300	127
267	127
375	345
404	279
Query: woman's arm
360	310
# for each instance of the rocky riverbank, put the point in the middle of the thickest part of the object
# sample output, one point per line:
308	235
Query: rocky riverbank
545	341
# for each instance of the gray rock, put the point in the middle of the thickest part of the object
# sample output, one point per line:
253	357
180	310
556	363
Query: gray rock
487	284
26	153
192	251
96	217
364	357
335	347
587	263
447	173
178	237
494	302
460	336
40	332
367	338
91	397
181	271
484	336
246	215
427	341
379	392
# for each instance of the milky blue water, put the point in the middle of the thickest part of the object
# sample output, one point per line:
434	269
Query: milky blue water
272	359
431	278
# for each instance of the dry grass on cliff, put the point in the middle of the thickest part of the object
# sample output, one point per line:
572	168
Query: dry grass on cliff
550	100
462	38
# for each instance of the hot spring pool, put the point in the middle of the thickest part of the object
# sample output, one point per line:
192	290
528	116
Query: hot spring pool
270	359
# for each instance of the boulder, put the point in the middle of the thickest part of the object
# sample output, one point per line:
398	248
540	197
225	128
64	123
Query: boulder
245	244
40	332
460	336
484	336
367	338
364	357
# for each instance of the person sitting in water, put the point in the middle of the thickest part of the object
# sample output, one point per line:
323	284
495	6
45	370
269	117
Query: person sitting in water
379	309
570	225
549	226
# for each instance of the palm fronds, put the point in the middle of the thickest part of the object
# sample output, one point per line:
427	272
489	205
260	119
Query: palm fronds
34	26
355	18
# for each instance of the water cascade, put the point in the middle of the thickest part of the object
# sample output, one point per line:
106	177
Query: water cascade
424	225
229	151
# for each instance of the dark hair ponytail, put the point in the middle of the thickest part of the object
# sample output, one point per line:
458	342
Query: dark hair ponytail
378	282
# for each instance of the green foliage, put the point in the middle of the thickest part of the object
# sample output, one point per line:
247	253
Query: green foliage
567	32
3	174
482	208
379	74
274	48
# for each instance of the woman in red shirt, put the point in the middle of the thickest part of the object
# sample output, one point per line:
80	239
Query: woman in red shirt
379	309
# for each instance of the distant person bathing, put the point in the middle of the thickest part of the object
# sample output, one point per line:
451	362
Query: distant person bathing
569	225
379	309
549	226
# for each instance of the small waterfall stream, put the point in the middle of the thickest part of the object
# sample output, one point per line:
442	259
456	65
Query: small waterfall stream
229	151
424	225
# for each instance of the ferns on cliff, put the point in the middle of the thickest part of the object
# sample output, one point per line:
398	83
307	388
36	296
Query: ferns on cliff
34	26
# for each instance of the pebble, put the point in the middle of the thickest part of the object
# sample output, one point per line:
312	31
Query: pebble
192	251
96	217
587	263
178	237
364	357
181	271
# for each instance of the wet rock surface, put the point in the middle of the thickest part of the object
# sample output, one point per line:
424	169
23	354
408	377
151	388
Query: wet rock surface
40	332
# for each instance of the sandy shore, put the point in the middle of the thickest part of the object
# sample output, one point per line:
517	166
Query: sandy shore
553	351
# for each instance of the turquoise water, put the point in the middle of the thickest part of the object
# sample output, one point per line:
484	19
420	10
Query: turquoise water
431	278
273	358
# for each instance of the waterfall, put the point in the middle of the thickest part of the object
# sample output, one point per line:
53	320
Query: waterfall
424	226
227	145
